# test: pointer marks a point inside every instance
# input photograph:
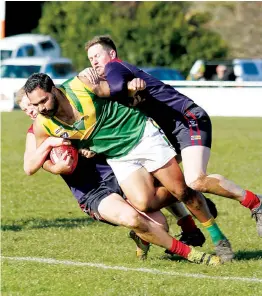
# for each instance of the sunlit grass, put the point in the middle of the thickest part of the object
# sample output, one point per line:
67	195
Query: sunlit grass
40	218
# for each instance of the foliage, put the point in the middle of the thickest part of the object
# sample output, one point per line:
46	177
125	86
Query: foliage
146	33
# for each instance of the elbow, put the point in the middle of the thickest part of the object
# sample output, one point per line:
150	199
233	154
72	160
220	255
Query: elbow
28	171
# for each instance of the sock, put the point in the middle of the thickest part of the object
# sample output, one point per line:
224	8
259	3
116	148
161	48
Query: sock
187	224
250	201
179	248
214	231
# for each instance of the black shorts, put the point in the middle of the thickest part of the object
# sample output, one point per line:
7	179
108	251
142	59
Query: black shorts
90	202
192	129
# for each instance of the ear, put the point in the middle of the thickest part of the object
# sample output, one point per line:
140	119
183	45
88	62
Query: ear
112	54
54	90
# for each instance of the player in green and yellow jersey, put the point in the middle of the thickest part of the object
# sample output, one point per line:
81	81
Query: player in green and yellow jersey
134	147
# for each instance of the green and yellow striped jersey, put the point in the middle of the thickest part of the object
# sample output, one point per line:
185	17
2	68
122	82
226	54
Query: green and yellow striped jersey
105	126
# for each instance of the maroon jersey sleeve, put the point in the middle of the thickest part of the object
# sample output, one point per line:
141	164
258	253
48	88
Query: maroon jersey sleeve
31	129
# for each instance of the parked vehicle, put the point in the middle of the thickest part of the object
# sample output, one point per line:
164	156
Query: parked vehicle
14	73
29	45
236	69
163	73
56	68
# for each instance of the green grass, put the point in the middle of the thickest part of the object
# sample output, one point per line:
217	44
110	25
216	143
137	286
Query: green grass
40	218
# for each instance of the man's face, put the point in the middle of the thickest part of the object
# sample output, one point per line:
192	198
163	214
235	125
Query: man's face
28	108
99	57
46	102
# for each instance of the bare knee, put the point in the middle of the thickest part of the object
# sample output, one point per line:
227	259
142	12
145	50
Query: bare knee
130	219
199	184
144	205
180	193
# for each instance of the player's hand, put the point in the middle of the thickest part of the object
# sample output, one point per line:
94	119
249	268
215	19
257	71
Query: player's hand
135	85
55	142
64	164
91	75
87	153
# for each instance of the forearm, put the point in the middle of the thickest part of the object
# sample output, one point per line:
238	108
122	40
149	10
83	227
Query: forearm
51	168
33	161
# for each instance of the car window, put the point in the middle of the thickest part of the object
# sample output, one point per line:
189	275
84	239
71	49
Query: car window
5	54
250	69
46	45
59	70
165	74
18	71
20	52
30	50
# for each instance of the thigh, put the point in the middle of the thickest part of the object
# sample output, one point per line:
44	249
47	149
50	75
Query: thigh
157	217
90	202
139	187
115	209
195	160
171	177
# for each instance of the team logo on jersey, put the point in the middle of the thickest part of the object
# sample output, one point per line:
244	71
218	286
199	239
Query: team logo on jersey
64	135
196	137
192	122
58	130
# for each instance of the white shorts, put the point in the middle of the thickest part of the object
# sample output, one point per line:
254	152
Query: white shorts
152	152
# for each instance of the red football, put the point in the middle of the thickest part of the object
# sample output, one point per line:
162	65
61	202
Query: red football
56	153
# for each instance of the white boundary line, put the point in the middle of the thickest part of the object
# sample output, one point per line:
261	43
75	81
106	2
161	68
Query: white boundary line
122	268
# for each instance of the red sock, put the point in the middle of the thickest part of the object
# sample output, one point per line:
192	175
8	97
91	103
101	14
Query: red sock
180	248
187	224
250	201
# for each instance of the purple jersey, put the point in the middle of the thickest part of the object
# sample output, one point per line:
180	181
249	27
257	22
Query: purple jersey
118	73
87	175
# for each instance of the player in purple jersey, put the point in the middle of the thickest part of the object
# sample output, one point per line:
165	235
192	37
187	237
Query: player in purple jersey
187	125
96	189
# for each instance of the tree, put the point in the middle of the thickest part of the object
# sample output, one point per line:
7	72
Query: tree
239	23
146	33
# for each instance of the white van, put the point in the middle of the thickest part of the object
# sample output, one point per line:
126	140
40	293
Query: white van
29	45
14	73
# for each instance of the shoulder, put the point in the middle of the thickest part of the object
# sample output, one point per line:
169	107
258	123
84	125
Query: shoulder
41	126
115	64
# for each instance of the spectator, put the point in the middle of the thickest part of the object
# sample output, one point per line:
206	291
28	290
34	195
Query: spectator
221	73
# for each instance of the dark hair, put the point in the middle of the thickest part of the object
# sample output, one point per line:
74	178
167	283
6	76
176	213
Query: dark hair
40	80
104	40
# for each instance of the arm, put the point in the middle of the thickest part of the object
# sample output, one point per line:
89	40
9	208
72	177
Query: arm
101	89
35	157
118	76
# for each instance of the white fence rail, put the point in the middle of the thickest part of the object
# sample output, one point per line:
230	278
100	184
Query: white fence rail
227	98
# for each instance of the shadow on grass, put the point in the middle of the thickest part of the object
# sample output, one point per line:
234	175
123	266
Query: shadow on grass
248	255
43	223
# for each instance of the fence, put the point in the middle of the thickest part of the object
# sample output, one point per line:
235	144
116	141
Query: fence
232	98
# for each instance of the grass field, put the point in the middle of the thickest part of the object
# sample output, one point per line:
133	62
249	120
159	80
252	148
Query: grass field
41	221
